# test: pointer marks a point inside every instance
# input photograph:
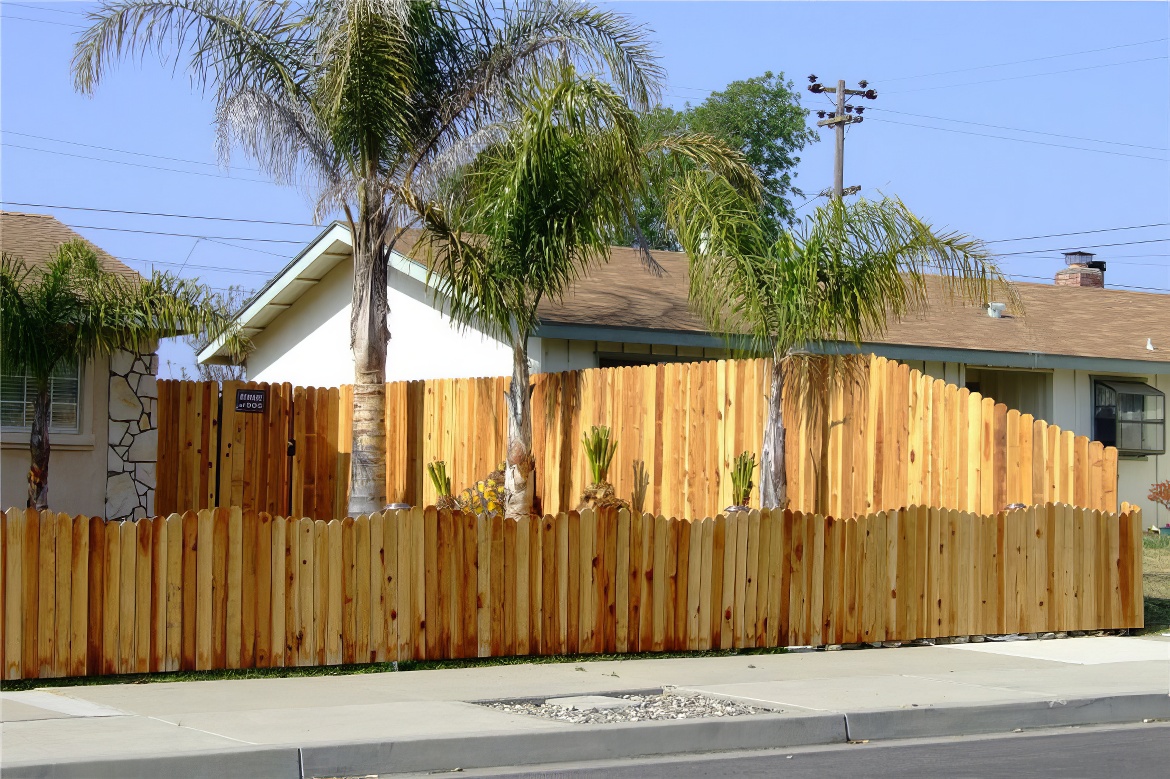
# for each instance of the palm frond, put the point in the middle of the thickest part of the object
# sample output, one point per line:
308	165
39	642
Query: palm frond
74	308
235	45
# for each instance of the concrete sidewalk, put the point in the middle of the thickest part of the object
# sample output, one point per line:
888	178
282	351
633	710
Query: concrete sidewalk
427	720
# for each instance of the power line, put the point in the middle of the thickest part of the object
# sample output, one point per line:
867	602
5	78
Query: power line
170	216
6	17
976	67
1028	75
198	267
43	8
1021	140
187	235
1080	232
1090	246
122	151
133	164
1020	129
1022	62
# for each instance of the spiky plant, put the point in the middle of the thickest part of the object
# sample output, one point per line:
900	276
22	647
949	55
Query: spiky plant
599	451
741	478
641	482
438	473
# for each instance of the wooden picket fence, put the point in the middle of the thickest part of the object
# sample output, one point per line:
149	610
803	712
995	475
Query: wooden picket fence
895	437
224	588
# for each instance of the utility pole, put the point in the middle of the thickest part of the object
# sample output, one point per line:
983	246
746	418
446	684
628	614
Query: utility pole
838	119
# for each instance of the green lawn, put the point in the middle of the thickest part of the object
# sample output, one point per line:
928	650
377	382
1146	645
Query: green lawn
1156	581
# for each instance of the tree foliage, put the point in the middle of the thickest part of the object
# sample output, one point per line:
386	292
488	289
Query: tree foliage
762	118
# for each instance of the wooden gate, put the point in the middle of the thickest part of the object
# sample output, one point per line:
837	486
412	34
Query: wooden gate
286	457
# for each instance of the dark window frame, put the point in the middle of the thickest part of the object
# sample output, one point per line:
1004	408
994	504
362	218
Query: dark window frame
1108	420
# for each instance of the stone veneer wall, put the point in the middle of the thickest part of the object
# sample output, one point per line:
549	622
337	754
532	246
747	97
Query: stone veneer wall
133	439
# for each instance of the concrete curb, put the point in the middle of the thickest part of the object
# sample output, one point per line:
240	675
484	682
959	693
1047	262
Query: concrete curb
243	763
606	742
934	721
618	741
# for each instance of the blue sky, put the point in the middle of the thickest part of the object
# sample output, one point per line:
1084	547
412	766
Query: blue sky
1098	81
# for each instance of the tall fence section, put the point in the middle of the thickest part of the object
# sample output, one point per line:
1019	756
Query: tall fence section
891	437
238	589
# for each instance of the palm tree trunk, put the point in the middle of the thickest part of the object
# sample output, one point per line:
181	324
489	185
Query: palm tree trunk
38	444
369	334
773	478
519	484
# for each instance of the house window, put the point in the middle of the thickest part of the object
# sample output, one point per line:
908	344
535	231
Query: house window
1129	415
18	393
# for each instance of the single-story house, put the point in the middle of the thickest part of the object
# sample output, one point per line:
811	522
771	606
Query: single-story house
1087	358
103	420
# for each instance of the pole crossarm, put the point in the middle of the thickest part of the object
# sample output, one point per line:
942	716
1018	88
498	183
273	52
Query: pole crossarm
846	119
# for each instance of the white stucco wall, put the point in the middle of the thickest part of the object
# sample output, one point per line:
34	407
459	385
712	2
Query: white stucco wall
1072	400
308	345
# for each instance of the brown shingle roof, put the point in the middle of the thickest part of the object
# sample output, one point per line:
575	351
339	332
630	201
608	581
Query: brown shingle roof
34	238
1072	321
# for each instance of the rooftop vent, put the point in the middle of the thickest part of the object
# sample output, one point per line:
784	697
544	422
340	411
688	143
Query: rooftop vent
995	310
1081	270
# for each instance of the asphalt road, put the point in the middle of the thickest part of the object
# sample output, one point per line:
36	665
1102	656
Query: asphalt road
1114	752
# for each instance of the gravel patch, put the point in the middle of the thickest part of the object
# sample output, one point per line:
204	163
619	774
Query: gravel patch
642	708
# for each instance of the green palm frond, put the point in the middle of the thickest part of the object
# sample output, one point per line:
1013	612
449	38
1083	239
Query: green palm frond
847	273
74	308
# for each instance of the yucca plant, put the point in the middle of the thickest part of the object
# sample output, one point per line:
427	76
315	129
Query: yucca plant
599	450
438	473
741	479
641	482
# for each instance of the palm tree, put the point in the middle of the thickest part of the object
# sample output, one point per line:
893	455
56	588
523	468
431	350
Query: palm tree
367	104
542	201
840	278
71	308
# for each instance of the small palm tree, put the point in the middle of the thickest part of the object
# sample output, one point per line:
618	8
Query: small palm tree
71	308
367	104
840	278
540	203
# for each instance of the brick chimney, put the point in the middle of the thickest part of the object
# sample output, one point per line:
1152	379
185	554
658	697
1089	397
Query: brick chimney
1081	270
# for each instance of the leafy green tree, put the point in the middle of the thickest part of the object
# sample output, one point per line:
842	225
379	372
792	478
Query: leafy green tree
762	118
535	209
368	105
71	309
836	280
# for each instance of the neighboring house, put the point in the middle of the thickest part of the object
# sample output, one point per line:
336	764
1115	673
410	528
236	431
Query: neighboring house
1092	360
103	423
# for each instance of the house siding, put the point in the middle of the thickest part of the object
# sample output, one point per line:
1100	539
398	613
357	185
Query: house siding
1072	396
77	463
308	345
